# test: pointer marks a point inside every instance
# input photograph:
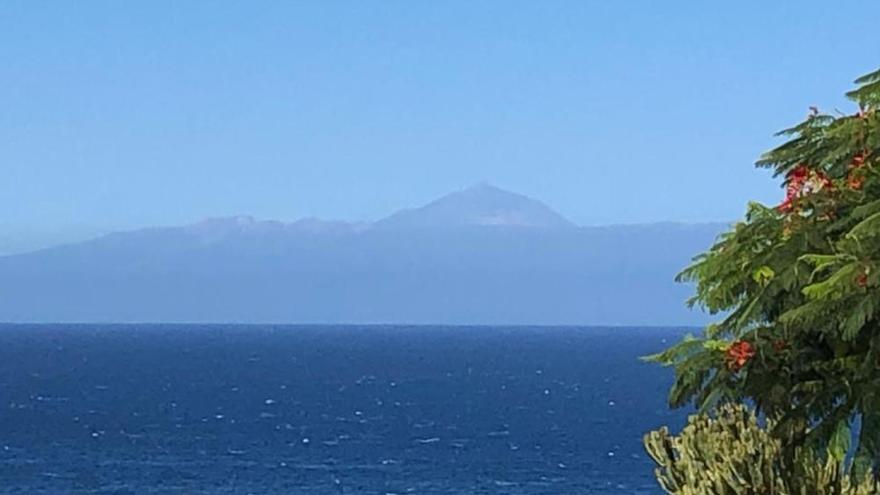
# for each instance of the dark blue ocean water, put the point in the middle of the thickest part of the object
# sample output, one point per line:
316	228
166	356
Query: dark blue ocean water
328	410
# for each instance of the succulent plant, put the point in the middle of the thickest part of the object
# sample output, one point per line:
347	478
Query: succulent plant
730	453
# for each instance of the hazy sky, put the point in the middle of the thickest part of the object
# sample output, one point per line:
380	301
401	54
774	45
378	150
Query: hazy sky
123	114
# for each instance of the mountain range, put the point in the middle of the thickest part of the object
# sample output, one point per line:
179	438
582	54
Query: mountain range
482	255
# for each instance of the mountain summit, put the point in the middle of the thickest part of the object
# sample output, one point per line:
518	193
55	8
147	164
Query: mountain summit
480	205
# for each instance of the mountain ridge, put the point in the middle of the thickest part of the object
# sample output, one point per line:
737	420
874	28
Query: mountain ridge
490	207
454	268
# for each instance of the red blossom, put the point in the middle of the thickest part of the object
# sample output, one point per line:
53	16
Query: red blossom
862	280
738	354
785	206
858	161
801	181
799	172
855	182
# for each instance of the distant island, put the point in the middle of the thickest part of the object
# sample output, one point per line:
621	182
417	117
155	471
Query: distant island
481	255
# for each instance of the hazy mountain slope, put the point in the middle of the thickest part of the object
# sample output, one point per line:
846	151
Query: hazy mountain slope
436	267
479	205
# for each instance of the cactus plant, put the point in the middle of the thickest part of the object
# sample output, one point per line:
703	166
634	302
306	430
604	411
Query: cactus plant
732	454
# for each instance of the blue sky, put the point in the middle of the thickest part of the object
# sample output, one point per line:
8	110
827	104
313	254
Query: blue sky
124	114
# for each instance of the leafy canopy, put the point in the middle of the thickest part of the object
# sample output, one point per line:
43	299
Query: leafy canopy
797	291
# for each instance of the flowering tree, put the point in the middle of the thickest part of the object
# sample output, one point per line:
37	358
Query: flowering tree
798	288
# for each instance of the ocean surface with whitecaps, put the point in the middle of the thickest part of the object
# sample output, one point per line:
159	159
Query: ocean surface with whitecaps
262	409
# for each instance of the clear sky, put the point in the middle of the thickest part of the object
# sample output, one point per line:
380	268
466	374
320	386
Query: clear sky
125	114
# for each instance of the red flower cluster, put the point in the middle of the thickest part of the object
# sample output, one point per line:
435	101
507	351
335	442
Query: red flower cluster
855	179
862	280
796	180
738	354
855	182
801	181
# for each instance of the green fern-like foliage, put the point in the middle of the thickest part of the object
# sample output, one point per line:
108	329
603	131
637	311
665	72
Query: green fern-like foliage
731	454
798	286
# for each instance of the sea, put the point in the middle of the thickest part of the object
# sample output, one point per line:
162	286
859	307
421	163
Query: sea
277	409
